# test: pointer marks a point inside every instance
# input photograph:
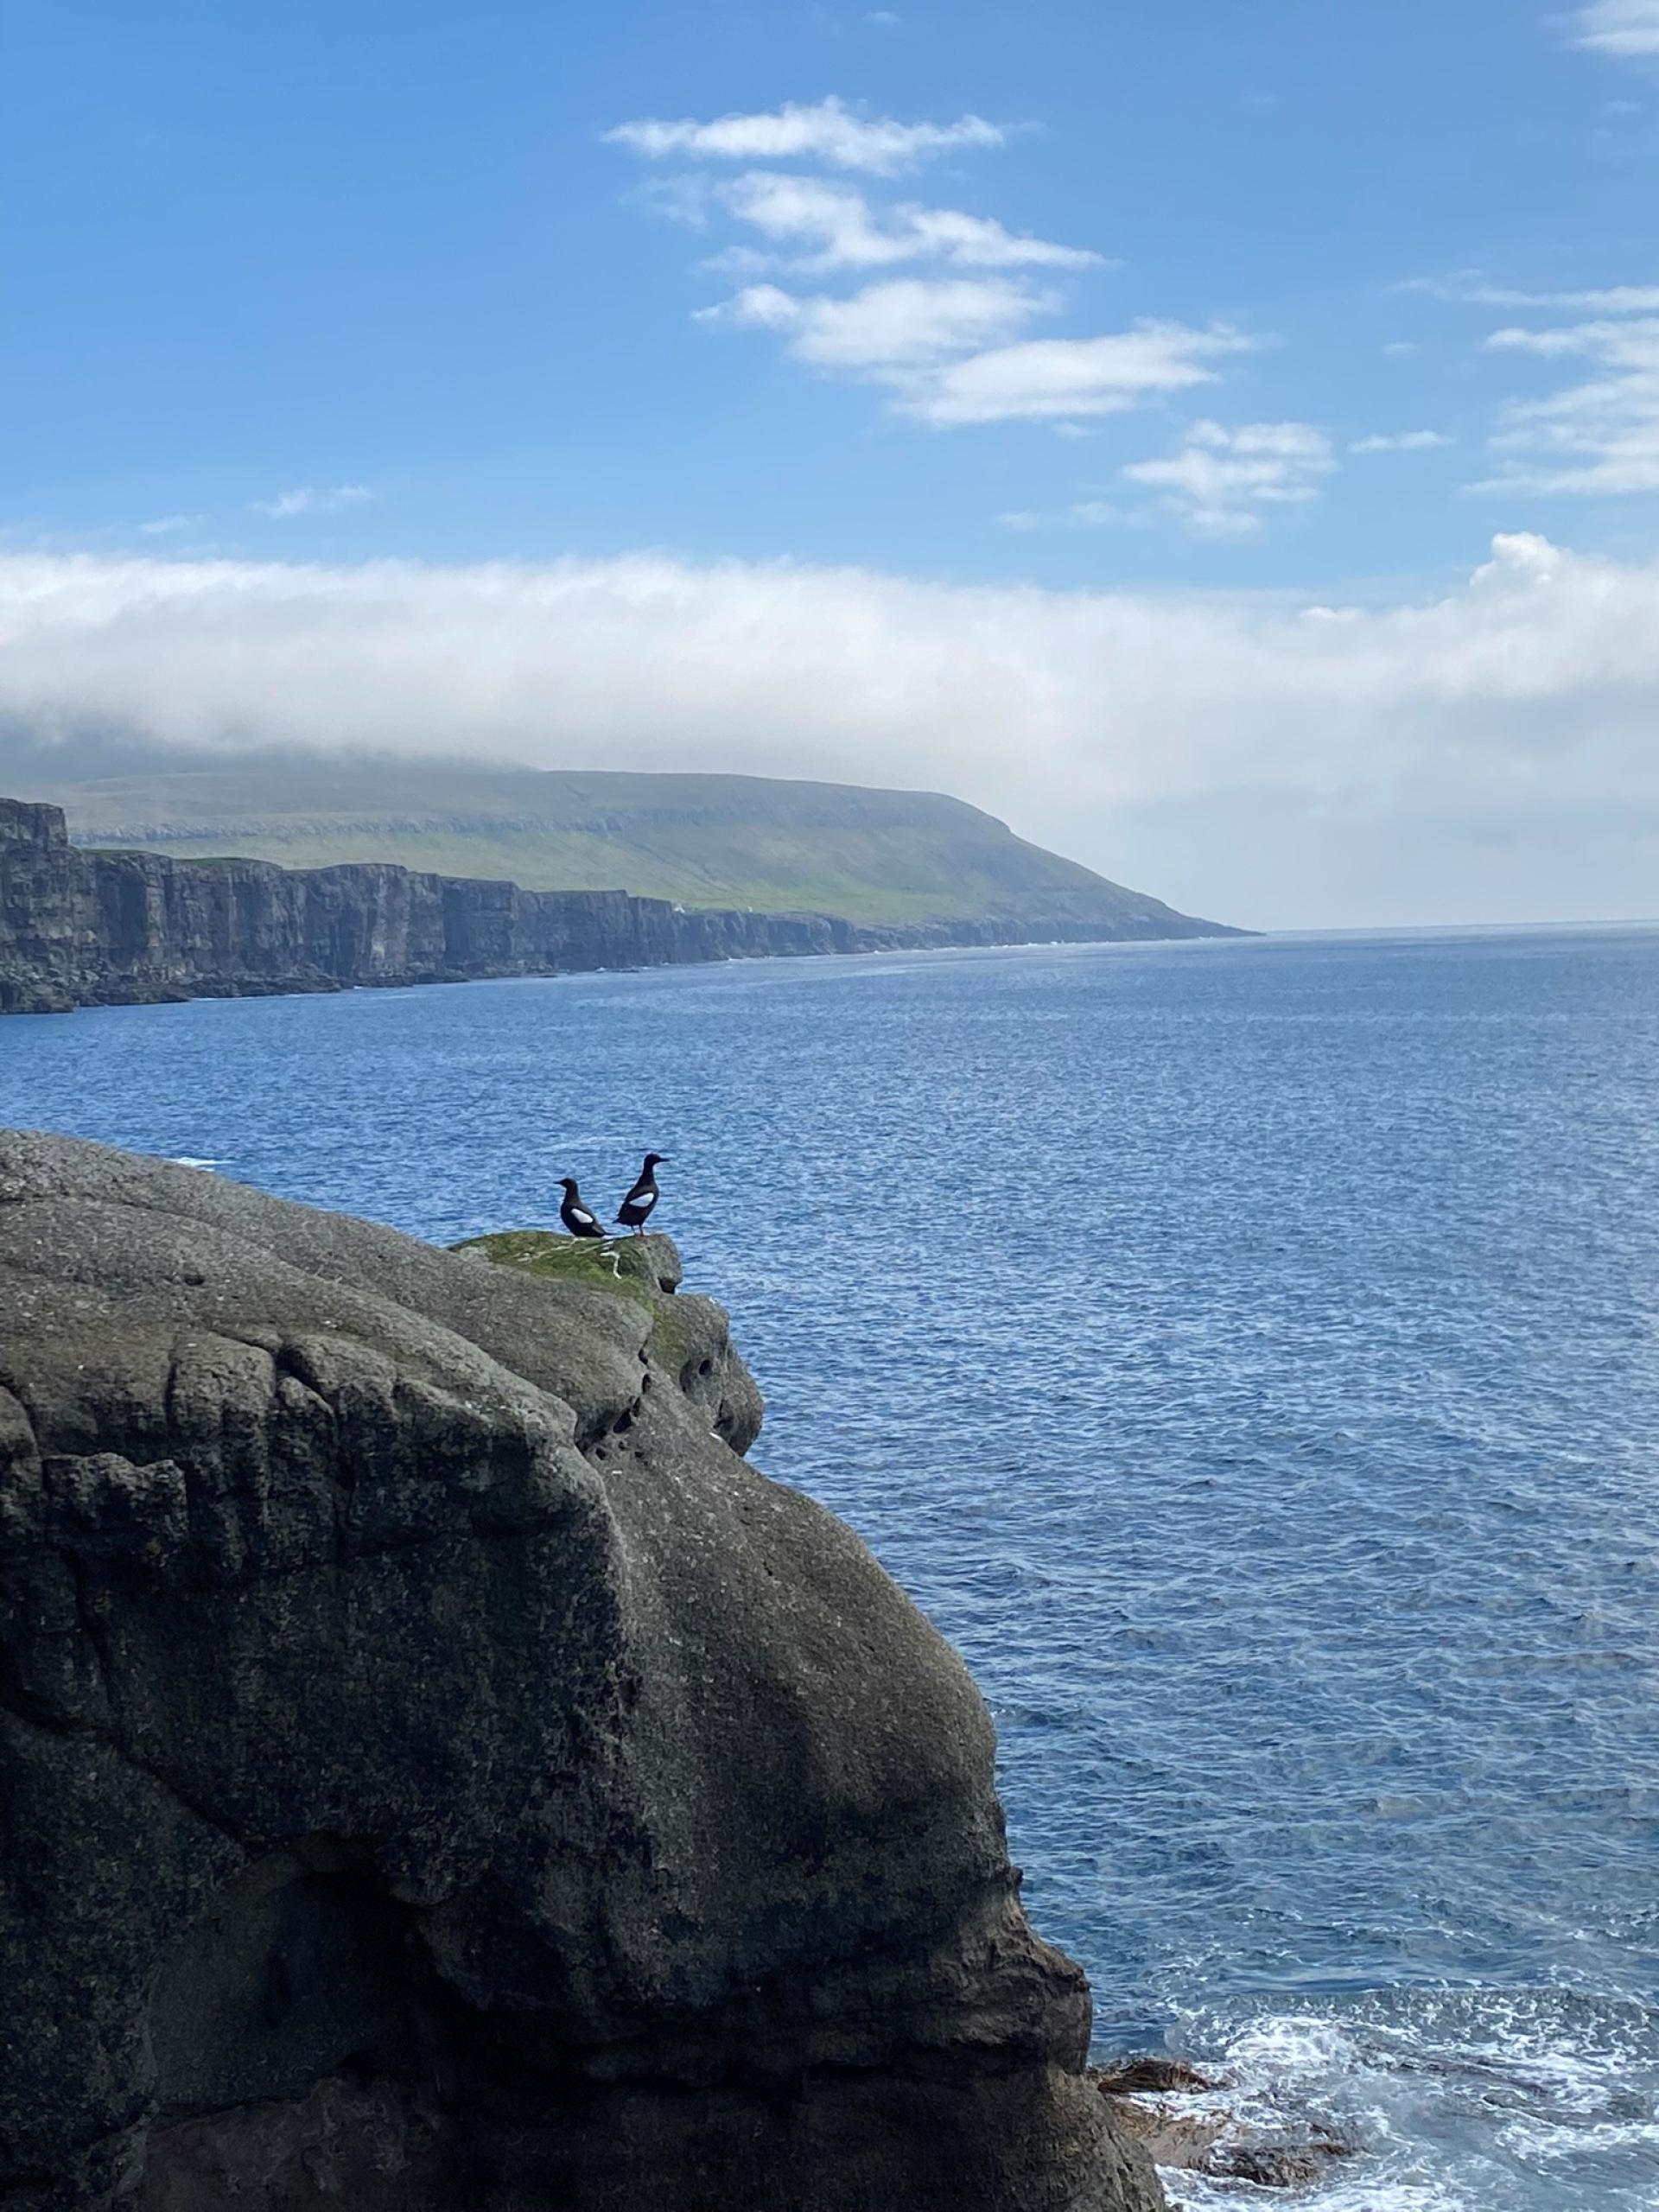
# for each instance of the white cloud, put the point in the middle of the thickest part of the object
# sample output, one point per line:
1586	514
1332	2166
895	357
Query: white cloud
1401	442
1608	340
943	346
685	198
951	351
833	220
1488	752
1052	380
1222	477
890	330
1472	290
1601	435
1627	27
165	525
1086	514
829	132
1614	299
313	499
836	227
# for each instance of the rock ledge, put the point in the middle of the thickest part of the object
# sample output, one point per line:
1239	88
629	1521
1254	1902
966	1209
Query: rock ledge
438	1770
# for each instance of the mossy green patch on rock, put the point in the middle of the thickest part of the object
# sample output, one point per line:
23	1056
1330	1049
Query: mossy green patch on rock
645	1269
568	1259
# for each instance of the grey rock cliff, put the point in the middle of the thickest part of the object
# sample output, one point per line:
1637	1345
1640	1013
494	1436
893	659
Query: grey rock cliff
86	928
437	1770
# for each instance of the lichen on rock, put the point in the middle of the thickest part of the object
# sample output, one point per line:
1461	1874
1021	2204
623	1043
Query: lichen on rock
438	1770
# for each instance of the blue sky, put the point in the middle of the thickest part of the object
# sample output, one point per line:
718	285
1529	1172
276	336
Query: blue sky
1268	314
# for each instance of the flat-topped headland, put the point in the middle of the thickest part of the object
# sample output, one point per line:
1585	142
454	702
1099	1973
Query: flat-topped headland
86	926
441	1770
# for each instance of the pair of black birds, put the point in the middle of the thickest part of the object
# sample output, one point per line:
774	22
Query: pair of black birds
635	1210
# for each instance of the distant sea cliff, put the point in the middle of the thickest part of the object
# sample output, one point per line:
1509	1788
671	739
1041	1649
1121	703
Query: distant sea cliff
88	927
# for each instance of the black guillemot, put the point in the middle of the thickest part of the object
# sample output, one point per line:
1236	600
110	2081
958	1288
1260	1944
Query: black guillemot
635	1211
575	1215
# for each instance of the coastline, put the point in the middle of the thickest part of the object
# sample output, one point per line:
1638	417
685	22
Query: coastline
86	927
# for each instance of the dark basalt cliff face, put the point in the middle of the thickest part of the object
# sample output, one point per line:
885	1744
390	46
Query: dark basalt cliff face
440	1774
85	928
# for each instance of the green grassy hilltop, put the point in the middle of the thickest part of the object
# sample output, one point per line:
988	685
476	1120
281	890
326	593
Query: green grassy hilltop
701	841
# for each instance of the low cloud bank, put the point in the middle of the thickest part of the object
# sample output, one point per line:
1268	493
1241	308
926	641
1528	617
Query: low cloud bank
1488	754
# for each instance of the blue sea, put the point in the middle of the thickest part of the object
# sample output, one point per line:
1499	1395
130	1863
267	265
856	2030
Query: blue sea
1245	1352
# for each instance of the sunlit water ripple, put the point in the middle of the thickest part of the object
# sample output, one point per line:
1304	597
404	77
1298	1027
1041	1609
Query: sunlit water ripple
1246	1354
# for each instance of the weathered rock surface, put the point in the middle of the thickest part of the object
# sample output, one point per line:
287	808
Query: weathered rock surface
1142	2074
437	1770
90	928
1186	2130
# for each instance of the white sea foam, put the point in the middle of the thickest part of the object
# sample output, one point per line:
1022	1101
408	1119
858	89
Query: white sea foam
1468	2102
1192	2193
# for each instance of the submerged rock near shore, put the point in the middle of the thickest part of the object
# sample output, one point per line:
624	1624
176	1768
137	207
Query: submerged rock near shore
438	1770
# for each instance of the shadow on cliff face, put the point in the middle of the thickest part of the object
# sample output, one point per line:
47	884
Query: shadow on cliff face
439	1772
301	1966
297	2040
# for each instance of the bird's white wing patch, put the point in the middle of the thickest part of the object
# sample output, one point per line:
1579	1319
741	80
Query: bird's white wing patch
581	1214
